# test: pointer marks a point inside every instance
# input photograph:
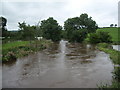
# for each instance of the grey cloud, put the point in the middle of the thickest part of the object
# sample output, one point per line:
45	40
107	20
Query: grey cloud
104	12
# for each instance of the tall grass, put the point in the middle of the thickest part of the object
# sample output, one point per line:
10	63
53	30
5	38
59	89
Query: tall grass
16	49
14	44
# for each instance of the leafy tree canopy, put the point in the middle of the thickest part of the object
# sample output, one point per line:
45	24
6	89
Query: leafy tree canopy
83	23
51	29
26	32
3	22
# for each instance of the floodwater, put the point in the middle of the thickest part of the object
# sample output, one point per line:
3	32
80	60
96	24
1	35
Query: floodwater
63	65
116	47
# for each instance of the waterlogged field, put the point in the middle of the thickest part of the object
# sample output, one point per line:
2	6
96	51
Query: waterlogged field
13	50
114	32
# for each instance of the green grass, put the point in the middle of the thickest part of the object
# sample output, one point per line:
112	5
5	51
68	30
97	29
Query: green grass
14	44
13	50
114	54
113	32
115	57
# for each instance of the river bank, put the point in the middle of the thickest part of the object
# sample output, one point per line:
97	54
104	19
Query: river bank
13	50
114	54
115	57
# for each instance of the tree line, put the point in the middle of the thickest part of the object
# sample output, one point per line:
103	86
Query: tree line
75	29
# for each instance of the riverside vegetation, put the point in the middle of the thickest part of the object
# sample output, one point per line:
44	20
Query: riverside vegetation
78	29
115	57
111	37
13	50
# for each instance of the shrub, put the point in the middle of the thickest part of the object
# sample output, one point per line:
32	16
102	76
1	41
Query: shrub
99	37
77	36
93	38
116	73
104	37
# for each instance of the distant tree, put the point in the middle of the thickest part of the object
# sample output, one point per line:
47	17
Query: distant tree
115	25
38	32
51	29
83	23
3	22
26	32
111	25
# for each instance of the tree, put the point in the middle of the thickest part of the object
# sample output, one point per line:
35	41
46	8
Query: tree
26	32
83	23
51	29
115	25
111	25
38	31
3	22
77	36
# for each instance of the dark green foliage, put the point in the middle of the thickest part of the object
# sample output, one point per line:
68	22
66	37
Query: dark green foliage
77	36
99	37
81	25
13	50
104	37
115	25
116	73
111	25
3	22
93	38
26	32
51	29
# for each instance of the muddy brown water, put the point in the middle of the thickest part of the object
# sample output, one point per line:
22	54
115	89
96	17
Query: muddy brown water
63	65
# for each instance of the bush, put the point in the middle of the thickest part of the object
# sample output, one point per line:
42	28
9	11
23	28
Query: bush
93	38
99	37
13	50
77	36
103	45
116	73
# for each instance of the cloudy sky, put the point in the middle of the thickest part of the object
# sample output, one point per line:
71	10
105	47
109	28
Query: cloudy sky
104	12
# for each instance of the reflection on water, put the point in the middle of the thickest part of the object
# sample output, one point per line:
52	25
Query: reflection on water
62	65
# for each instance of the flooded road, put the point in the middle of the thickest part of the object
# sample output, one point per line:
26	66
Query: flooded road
63	65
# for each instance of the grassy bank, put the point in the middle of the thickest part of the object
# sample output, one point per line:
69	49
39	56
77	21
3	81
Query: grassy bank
13	50
113	32
114	54
115	57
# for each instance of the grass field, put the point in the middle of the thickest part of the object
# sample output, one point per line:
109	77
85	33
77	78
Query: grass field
14	44
13	50
114	33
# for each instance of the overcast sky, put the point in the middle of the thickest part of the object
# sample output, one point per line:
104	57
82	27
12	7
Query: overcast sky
104	12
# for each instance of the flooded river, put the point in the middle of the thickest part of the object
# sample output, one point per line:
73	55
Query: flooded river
63	65
116	47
